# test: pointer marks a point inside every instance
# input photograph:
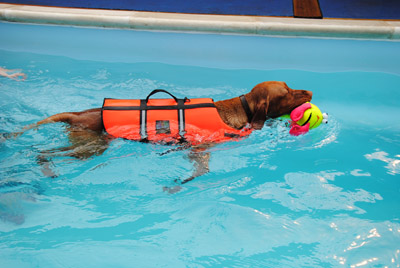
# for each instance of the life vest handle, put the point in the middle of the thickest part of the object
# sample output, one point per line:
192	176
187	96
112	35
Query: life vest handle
163	91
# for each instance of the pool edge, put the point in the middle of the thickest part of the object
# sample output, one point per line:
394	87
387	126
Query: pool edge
254	25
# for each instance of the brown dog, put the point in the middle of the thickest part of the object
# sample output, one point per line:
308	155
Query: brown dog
87	137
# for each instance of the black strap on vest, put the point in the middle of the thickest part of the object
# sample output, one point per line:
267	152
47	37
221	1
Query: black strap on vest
143	119
160	90
246	108
180	107
181	117
144	108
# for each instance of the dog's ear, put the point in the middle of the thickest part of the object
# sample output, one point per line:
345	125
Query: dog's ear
260	114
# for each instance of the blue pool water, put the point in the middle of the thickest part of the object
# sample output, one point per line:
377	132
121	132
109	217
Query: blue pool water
330	198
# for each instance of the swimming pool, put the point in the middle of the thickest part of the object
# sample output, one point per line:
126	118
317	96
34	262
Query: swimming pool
326	199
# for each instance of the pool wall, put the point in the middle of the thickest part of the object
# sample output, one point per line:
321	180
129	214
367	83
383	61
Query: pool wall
203	50
254	25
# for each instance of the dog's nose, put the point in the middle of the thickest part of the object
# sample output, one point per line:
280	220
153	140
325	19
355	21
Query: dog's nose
309	93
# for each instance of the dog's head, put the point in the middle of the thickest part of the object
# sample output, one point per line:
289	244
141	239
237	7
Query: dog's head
274	99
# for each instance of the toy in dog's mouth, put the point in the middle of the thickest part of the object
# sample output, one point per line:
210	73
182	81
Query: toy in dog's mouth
305	117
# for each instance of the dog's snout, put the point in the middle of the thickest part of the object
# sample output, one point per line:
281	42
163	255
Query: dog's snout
308	94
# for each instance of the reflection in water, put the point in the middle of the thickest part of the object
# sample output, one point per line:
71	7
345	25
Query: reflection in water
308	192
393	164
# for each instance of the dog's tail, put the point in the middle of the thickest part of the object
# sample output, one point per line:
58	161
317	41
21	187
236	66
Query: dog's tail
61	117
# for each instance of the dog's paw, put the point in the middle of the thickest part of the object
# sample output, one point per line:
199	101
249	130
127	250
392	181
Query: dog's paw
172	190
9	135
5	136
47	172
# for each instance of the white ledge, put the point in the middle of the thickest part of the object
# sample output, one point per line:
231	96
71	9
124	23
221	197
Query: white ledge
255	25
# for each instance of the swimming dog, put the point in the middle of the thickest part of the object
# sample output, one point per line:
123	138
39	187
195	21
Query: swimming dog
88	138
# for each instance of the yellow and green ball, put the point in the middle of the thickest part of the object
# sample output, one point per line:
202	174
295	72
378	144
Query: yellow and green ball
312	116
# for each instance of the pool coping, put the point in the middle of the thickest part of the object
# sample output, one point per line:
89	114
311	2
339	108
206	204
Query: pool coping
228	24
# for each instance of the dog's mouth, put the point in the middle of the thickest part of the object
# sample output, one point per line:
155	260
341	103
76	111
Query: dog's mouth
301	97
305	96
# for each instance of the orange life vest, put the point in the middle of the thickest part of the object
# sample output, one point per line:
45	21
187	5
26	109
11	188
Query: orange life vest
167	120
